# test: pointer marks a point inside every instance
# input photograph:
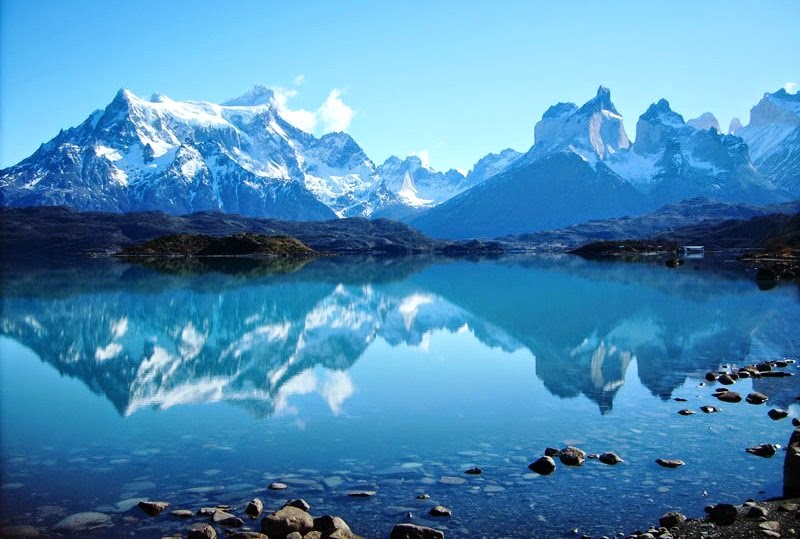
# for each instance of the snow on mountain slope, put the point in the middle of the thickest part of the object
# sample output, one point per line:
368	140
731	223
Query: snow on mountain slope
492	164
773	139
419	184
180	157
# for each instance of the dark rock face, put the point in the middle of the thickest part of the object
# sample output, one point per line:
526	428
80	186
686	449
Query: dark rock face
791	466
412	531
723	514
285	521
544	466
671	519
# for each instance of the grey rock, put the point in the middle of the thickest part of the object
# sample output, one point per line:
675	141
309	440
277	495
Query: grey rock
756	511
571	456
609	457
327	524
361	493
82	521
728	396
300	503
285	521
757	398
440	511
206	511
224	518
313	534
254	508
423	496
202	531
294	535
412	531
152	508
278	486
763	450
182	513
543	466
670	463
671	519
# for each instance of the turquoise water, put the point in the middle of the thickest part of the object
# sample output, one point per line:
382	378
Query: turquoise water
201	386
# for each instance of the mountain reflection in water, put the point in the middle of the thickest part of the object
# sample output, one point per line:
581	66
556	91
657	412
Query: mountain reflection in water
166	333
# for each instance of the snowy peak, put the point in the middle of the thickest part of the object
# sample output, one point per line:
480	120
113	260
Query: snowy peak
658	126
593	131
704	122
492	164
418	185
735	126
259	95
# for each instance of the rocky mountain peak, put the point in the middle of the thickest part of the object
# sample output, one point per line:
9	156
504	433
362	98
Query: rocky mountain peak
704	122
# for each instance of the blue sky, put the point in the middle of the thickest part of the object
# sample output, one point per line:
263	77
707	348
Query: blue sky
453	80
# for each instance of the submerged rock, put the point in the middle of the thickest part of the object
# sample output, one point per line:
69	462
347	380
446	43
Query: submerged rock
543	466
412	531
152	508
278	486
473	471
82	521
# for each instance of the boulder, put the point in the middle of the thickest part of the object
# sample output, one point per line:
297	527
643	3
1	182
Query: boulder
757	398
551	452
152	508
723	514
285	521
327	524
182	513
440	511
756	511
247	535
202	531
671	519
254	508
685	411
473	471
726	379
609	457
300	503
543	466
223	518
791	466
412	531
776	413
707	409
278	486
728	396
670	463
571	456
763	450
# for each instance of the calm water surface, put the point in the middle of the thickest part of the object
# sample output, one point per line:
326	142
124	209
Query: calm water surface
201	386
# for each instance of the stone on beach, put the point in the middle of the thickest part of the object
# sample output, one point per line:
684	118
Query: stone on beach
723	514
285	521
202	531
671	519
412	531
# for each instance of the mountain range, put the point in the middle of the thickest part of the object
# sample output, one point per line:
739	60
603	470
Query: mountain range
243	157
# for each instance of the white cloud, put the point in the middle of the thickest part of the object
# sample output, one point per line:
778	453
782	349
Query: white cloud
790	87
299	79
334	113
424	156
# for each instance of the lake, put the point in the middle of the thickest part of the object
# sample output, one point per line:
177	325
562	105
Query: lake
202	385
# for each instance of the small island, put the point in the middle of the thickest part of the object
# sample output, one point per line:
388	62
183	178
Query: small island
246	244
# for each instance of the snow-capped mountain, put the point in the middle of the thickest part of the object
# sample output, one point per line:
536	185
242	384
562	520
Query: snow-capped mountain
583	166
418	185
773	139
492	164
704	122
180	157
